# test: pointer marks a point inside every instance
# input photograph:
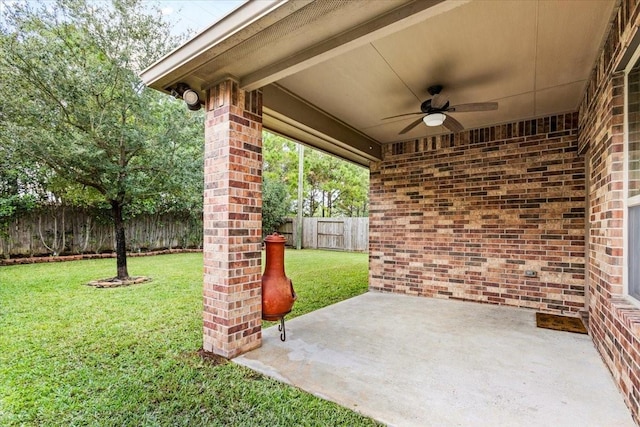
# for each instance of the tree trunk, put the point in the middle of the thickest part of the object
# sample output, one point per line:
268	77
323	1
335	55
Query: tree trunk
87	233
121	247
64	234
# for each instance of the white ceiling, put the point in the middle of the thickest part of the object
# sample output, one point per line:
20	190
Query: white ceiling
356	62
532	57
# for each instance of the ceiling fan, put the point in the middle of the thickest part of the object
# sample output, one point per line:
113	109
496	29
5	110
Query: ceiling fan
434	111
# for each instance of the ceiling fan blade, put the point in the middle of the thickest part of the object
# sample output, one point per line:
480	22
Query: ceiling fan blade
452	124
474	106
411	126
402	115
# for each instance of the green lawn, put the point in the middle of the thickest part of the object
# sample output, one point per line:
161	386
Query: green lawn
75	355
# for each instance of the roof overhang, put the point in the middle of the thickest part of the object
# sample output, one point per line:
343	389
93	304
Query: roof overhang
330	70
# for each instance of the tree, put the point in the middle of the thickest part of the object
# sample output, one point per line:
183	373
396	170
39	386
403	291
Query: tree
275	205
83	111
22	186
353	189
332	187
280	162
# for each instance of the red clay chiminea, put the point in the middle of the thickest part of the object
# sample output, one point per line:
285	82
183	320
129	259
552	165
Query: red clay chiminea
278	295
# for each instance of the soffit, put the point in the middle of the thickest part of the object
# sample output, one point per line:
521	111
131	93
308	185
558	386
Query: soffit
358	61
307	27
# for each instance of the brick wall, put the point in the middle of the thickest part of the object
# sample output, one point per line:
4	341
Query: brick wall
614	319
463	216
232	220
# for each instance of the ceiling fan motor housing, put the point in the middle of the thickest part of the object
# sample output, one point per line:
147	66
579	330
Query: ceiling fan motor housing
426	107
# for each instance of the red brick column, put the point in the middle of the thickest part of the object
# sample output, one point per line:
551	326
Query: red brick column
232	220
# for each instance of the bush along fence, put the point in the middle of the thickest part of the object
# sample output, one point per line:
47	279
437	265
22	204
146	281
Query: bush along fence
60	231
341	234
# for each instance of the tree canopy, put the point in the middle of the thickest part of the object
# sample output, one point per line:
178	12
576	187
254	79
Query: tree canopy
332	187
78	113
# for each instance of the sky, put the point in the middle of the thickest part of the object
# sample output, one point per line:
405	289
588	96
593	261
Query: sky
195	15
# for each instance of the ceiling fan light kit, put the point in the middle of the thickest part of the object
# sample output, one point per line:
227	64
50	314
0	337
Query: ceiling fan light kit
434	119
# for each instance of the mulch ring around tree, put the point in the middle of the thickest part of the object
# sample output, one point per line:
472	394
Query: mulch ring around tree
114	282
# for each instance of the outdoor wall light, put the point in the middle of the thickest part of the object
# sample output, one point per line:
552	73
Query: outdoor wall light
192	99
190	96
435	119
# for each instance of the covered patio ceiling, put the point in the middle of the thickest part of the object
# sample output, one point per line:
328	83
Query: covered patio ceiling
331	70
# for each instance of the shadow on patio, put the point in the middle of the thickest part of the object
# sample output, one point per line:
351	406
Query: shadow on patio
426	362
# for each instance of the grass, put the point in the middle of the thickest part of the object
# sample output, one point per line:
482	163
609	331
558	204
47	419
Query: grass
75	355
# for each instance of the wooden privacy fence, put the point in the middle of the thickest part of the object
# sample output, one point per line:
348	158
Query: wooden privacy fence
57	231
62	231
343	234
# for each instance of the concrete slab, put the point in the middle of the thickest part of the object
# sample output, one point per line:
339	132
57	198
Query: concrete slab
410	361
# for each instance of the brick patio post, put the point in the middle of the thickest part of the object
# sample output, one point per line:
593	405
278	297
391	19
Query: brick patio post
232	220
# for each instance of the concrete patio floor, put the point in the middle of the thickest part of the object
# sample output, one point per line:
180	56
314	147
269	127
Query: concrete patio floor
410	361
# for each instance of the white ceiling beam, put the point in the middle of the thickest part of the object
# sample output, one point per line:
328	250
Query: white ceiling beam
315	127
